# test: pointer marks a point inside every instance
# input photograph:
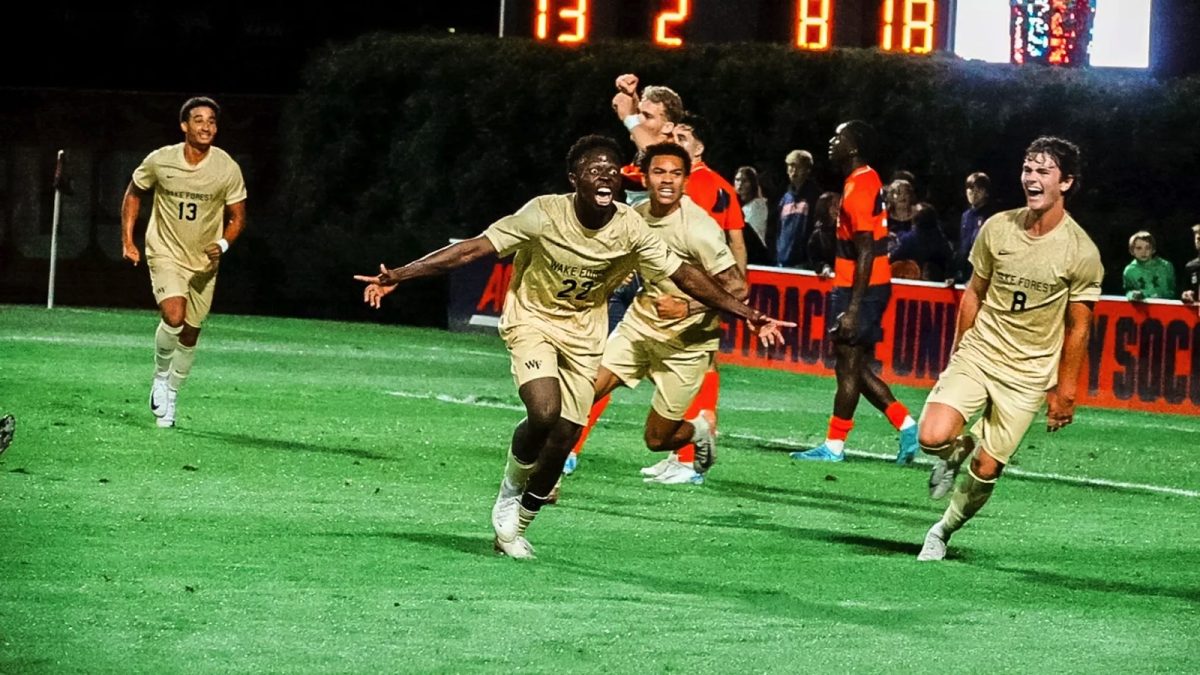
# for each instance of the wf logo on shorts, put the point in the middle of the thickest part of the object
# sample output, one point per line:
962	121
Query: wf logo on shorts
533	364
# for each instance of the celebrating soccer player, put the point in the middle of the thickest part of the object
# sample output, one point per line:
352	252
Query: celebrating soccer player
199	211
666	336
571	252
1021	337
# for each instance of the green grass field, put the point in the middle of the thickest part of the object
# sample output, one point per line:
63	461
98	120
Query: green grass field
323	506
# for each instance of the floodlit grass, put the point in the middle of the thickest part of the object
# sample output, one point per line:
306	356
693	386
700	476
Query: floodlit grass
320	509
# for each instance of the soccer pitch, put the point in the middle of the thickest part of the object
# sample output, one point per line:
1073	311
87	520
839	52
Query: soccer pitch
323	506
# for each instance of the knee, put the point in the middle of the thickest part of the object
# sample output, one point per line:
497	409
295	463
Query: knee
932	435
543	417
173	314
985	467
189	335
655	441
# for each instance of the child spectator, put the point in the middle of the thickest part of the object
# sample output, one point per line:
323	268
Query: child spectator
1147	276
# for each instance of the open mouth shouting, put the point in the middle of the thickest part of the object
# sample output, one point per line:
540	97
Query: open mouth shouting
604	196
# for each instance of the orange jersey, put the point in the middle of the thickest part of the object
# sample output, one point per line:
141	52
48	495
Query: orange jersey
715	195
862	211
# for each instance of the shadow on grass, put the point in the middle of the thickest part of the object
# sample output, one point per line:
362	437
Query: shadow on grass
1127	588
480	545
913	512
259	443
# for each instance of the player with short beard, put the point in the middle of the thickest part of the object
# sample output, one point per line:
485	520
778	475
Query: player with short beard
571	251
1021	338
666	336
199	211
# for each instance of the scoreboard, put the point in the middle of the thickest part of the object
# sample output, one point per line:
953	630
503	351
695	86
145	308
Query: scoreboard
1053	32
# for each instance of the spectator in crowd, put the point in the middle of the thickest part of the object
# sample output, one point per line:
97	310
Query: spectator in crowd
822	244
1147	276
980	208
1192	270
754	211
796	207
900	197
925	245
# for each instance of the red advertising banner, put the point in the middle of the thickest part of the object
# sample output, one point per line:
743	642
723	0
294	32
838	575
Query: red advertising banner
1143	356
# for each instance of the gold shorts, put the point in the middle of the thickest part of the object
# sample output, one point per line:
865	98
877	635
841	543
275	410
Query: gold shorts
1007	410
535	354
169	280
677	374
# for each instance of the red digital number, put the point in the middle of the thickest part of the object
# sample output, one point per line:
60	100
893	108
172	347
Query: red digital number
812	24
665	19
915	26
576	16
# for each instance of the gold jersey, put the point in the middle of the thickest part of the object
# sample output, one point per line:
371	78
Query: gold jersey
188	212
1018	332
695	237
564	273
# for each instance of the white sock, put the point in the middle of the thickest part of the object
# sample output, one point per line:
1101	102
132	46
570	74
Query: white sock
166	340
908	422
181	365
699	428
836	446
516	475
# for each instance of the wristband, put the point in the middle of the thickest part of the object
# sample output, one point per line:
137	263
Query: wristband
632	121
223	244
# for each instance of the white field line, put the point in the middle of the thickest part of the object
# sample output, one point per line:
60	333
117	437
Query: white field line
243	346
788	442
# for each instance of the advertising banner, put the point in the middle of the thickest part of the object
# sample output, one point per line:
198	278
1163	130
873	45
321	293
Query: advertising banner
1143	356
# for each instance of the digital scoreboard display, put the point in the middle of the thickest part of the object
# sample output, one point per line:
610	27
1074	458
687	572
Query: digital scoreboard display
1054	32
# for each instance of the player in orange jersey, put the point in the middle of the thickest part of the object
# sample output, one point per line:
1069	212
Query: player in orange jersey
862	288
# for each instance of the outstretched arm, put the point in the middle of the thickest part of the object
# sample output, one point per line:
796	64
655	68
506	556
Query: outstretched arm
674	307
700	286
439	262
1061	399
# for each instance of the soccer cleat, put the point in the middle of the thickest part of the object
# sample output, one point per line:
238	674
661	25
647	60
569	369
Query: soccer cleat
908	446
553	498
518	549
935	544
658	467
168	417
506	518
571	464
158	395
706	446
677	473
821	453
945	471
8	425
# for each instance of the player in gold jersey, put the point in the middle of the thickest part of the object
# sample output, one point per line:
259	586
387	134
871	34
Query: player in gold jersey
665	336
199	210
570	252
1021	338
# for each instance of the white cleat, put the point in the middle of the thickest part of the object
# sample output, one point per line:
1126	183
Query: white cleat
506	519
656	469
168	417
935	544
518	549
158	396
677	473
706	447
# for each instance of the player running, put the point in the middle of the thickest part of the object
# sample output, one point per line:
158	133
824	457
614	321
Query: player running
571	251
1021	338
